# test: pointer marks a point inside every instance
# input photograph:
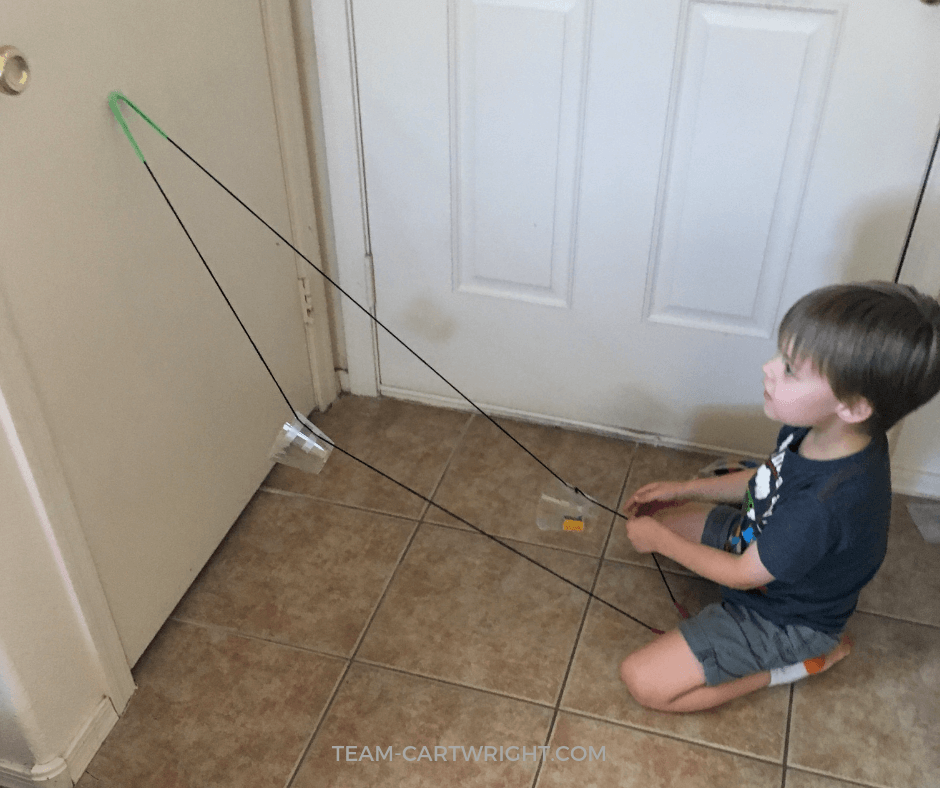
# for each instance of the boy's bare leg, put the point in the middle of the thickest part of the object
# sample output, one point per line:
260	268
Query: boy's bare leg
686	518
666	676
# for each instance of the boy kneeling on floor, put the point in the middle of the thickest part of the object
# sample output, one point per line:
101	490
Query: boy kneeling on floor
812	530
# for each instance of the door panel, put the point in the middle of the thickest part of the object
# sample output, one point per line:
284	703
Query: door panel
734	176
517	119
597	212
160	411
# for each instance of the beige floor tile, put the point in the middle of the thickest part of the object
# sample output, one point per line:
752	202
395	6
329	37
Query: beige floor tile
874	717
377	708
753	725
216	710
465	609
908	584
299	571
800	779
634	759
652	464
411	443
496	486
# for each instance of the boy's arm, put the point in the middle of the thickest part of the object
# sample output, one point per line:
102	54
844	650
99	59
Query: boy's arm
729	488
742	572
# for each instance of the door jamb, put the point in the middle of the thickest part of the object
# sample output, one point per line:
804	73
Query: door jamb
339	98
296	158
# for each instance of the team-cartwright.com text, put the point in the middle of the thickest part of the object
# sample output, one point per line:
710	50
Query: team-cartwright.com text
454	753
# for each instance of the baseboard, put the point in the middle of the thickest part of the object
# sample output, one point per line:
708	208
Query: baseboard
54	774
649	438
909	481
903	480
64	772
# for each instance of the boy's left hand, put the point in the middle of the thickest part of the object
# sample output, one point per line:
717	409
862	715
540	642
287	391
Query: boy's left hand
644	534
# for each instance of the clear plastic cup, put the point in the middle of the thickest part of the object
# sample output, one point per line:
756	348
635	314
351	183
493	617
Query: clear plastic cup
561	509
301	445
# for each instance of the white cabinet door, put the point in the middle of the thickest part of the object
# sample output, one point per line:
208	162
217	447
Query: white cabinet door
160	411
597	211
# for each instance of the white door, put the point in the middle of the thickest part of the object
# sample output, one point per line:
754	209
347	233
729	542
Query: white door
597	211
161	414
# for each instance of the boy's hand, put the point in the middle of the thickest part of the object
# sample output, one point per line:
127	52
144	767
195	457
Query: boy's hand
644	533
657	491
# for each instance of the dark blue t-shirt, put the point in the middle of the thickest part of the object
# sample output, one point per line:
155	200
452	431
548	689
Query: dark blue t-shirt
821	528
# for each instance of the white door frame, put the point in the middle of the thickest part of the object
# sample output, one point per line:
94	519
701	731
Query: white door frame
339	98
284	66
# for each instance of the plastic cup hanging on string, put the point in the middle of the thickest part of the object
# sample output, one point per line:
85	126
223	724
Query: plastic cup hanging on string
301	445
562	509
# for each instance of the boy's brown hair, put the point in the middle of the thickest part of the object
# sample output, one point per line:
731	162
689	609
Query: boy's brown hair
877	340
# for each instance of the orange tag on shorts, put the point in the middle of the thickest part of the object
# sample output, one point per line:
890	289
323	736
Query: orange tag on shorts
573	525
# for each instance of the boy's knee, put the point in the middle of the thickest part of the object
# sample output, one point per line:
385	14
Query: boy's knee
635	682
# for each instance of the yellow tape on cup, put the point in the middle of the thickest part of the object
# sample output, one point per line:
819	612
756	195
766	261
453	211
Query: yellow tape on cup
573	525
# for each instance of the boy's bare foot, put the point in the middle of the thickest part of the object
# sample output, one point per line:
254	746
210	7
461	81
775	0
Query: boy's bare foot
819	664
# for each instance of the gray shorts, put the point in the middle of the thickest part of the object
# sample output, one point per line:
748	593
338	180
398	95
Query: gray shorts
731	641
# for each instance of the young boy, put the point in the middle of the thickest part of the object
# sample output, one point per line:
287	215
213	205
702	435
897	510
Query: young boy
813	527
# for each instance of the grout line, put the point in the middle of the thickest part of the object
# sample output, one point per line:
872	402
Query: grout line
671	569
333	694
674	737
840	779
573	712
316	728
404	552
318	499
548	738
252	636
451	683
897	618
577	640
450	459
587	607
378	604
375	609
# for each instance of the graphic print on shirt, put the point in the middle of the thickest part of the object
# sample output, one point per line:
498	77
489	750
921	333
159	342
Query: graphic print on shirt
767	483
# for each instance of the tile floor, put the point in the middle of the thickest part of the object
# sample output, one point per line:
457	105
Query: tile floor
343	612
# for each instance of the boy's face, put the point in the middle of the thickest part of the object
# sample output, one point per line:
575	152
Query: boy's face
796	394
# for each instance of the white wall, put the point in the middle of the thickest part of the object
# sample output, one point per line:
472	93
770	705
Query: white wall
51	682
64	677
915	462
13	745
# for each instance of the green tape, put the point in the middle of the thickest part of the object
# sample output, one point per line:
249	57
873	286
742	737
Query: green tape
113	99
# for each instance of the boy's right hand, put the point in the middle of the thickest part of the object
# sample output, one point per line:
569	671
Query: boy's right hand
657	491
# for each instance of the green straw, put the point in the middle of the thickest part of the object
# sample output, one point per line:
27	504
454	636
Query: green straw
113	99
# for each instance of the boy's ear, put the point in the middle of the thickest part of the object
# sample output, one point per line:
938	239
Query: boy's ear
855	411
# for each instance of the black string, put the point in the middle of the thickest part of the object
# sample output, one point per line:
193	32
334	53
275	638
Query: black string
920	199
395	336
293	411
414	353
